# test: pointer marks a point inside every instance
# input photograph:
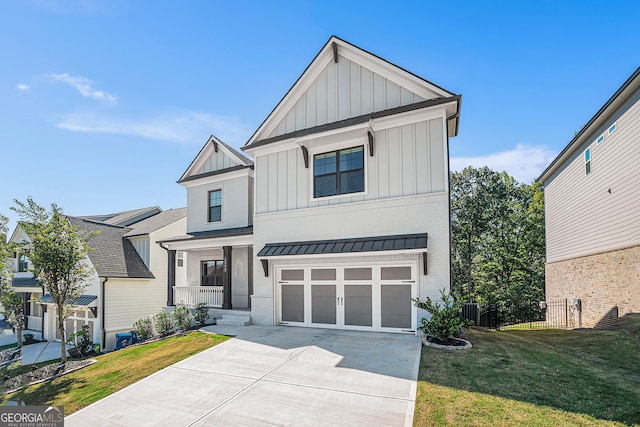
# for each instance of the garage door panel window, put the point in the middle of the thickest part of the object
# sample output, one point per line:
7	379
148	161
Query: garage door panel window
395	273
293	303
323	304
358	274
326	274
292	275
358	305
396	306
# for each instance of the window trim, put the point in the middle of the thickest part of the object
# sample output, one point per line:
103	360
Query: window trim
202	267
587	161
24	263
337	148
209	205
180	258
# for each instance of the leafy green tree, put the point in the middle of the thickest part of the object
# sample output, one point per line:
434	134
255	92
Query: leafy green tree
498	242
11	301
57	253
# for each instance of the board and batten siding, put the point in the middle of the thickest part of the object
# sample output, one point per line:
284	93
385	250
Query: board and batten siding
341	91
141	244
408	160
215	162
582	216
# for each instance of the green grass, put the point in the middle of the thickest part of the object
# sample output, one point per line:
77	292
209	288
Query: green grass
534	378
526	326
114	371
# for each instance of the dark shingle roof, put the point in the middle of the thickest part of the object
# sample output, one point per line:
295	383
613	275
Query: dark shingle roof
81	300
130	217
227	232
156	222
25	282
341	246
110	252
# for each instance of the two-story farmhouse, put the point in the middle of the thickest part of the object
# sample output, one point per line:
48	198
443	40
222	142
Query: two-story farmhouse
592	211
342	217
352	195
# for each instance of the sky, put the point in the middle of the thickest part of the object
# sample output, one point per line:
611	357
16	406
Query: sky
104	104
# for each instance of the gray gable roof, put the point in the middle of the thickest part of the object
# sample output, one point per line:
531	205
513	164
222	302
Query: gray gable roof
156	222
130	217
110	252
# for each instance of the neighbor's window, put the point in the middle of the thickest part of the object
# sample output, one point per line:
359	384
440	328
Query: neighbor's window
600	139
215	206
23	264
338	172
613	128
212	273
587	160
180	259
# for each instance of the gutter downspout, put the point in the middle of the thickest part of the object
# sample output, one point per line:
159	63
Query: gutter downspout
104	319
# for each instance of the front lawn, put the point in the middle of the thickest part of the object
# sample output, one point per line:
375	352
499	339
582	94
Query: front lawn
534	378
114	371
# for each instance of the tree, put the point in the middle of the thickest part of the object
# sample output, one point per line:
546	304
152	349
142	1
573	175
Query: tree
11	301
57	254
498	241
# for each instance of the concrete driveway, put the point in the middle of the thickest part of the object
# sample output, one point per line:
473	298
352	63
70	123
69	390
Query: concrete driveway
274	376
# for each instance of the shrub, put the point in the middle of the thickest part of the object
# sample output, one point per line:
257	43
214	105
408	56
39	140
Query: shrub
183	317
445	318
163	323
81	340
202	314
143	328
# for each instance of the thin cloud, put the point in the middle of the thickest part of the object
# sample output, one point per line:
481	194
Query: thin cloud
84	86
525	162
184	127
23	87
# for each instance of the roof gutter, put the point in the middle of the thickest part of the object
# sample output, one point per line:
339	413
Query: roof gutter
102	312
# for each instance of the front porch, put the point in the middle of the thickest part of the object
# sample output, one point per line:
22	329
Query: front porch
213	268
191	296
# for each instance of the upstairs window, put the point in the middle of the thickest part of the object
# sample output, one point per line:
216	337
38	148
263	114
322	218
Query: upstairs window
600	139
180	259
23	264
587	160
613	128
338	172
215	206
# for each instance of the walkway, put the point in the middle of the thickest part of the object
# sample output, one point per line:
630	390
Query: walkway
275	376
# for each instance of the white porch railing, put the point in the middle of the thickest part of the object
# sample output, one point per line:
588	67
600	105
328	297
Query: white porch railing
191	296
34	323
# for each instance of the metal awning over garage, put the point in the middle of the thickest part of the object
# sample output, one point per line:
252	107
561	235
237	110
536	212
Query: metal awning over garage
404	242
414	243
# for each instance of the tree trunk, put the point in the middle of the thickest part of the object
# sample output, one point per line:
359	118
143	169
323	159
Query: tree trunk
19	334
63	346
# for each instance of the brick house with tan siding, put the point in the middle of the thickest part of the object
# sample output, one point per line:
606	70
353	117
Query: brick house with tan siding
592	214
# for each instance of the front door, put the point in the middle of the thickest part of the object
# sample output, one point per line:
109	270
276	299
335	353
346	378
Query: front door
361	298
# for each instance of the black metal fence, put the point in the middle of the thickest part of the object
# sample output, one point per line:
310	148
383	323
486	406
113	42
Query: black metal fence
522	315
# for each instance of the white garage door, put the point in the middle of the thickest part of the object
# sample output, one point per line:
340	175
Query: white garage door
376	297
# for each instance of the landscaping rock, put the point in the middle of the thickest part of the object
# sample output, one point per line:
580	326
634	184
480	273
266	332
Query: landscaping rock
46	372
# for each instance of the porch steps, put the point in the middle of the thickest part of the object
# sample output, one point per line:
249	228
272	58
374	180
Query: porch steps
235	319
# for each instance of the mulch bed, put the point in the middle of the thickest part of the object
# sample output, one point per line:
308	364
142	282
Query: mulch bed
6	354
51	371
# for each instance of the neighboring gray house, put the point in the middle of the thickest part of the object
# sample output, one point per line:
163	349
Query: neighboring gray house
592	214
130	275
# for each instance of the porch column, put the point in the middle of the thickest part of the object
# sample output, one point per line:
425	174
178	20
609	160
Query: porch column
26	308
226	277
171	276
